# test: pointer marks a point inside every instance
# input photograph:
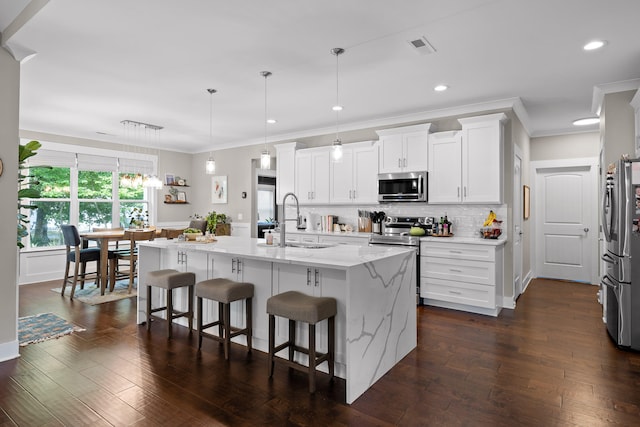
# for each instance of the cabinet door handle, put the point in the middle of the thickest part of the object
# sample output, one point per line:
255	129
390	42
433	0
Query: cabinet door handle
465	191
399	162
178	259
317	277
404	162
455	292
238	264
458	191
455	270
455	252
354	194
233	265
308	276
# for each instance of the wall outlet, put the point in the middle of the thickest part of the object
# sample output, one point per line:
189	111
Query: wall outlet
240	216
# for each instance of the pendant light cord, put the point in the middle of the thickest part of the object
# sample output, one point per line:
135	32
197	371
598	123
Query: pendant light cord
337	93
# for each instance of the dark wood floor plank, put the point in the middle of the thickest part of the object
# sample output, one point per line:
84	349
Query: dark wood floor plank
548	362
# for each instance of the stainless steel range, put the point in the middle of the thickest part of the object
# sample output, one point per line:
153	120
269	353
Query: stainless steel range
396	233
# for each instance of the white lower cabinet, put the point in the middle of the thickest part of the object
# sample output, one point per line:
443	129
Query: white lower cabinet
316	282
182	260
242	270
462	276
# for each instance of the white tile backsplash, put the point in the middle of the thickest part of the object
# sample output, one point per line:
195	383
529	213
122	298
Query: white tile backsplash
467	219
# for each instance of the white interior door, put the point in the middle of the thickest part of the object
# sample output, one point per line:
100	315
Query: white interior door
566	209
517	223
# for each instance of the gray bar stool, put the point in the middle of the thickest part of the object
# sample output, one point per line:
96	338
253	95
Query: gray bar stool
169	280
299	307
225	291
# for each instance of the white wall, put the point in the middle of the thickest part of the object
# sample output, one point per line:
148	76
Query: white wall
571	146
9	103
617	126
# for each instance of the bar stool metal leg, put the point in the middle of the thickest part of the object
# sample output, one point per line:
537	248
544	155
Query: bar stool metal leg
272	340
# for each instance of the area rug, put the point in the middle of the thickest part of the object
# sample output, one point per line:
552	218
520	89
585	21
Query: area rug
42	327
91	294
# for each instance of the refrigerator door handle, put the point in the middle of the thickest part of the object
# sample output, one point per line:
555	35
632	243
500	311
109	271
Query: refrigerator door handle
609	259
605	221
607	282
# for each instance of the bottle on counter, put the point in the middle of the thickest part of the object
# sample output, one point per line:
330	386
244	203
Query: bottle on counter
268	237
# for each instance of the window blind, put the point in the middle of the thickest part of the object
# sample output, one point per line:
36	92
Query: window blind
136	166
59	159
89	162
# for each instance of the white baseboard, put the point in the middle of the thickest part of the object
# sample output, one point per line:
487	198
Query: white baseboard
9	350
508	302
527	279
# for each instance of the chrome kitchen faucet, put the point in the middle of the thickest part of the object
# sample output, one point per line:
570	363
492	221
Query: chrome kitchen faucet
284	218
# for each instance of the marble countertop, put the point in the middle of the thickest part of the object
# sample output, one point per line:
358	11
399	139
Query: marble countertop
339	257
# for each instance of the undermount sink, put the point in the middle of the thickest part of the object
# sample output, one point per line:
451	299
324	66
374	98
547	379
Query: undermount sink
309	245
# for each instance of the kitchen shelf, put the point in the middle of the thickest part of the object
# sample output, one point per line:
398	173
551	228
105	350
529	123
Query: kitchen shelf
175	185
176	203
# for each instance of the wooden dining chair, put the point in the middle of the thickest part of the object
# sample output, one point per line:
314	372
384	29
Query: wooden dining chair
131	254
80	257
171	233
200	224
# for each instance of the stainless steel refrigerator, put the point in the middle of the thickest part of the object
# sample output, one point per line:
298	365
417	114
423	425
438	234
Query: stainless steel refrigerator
621	279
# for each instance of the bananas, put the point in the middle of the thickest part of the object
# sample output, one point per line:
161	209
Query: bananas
489	220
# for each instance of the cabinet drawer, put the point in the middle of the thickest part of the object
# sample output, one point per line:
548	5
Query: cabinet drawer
478	272
458	292
343	240
458	251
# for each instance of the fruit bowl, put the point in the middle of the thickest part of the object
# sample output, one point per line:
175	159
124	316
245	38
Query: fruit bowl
192	236
490	232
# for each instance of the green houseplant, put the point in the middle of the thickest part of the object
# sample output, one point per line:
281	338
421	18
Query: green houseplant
217	223
25	191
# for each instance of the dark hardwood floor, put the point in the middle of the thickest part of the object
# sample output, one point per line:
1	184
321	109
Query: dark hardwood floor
549	362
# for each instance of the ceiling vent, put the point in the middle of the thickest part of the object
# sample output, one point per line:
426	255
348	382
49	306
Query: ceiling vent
422	46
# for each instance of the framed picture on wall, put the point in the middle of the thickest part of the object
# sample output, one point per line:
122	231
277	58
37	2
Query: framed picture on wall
219	189
169	179
182	197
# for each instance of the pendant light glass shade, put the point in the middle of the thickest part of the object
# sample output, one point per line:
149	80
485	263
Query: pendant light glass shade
265	156
265	160
336	149
152	181
210	165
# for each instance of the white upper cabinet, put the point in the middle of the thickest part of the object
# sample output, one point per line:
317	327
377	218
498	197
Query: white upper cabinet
445	167
403	149
482	158
354	178
312	175
466	166
285	170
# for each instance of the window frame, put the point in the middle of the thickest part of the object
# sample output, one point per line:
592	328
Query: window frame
149	196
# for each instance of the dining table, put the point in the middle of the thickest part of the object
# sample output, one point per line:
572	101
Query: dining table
103	238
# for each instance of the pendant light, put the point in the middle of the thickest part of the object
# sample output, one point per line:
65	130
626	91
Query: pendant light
336	149
210	165
265	156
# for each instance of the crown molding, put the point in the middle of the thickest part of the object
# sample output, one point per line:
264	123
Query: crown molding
599	91
514	104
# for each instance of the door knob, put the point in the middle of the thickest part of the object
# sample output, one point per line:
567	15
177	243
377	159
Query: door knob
521	233
586	229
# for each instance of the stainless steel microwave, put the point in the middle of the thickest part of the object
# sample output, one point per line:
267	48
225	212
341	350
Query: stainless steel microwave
402	187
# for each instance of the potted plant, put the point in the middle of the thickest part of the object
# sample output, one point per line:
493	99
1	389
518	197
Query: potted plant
25	190
138	218
217	223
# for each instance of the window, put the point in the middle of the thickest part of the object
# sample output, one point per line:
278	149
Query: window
85	190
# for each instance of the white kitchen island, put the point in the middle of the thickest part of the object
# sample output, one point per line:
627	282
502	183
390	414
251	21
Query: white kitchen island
374	288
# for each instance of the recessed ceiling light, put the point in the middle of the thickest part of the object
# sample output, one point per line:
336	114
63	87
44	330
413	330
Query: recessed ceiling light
586	121
594	44
441	88
272	121
337	108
